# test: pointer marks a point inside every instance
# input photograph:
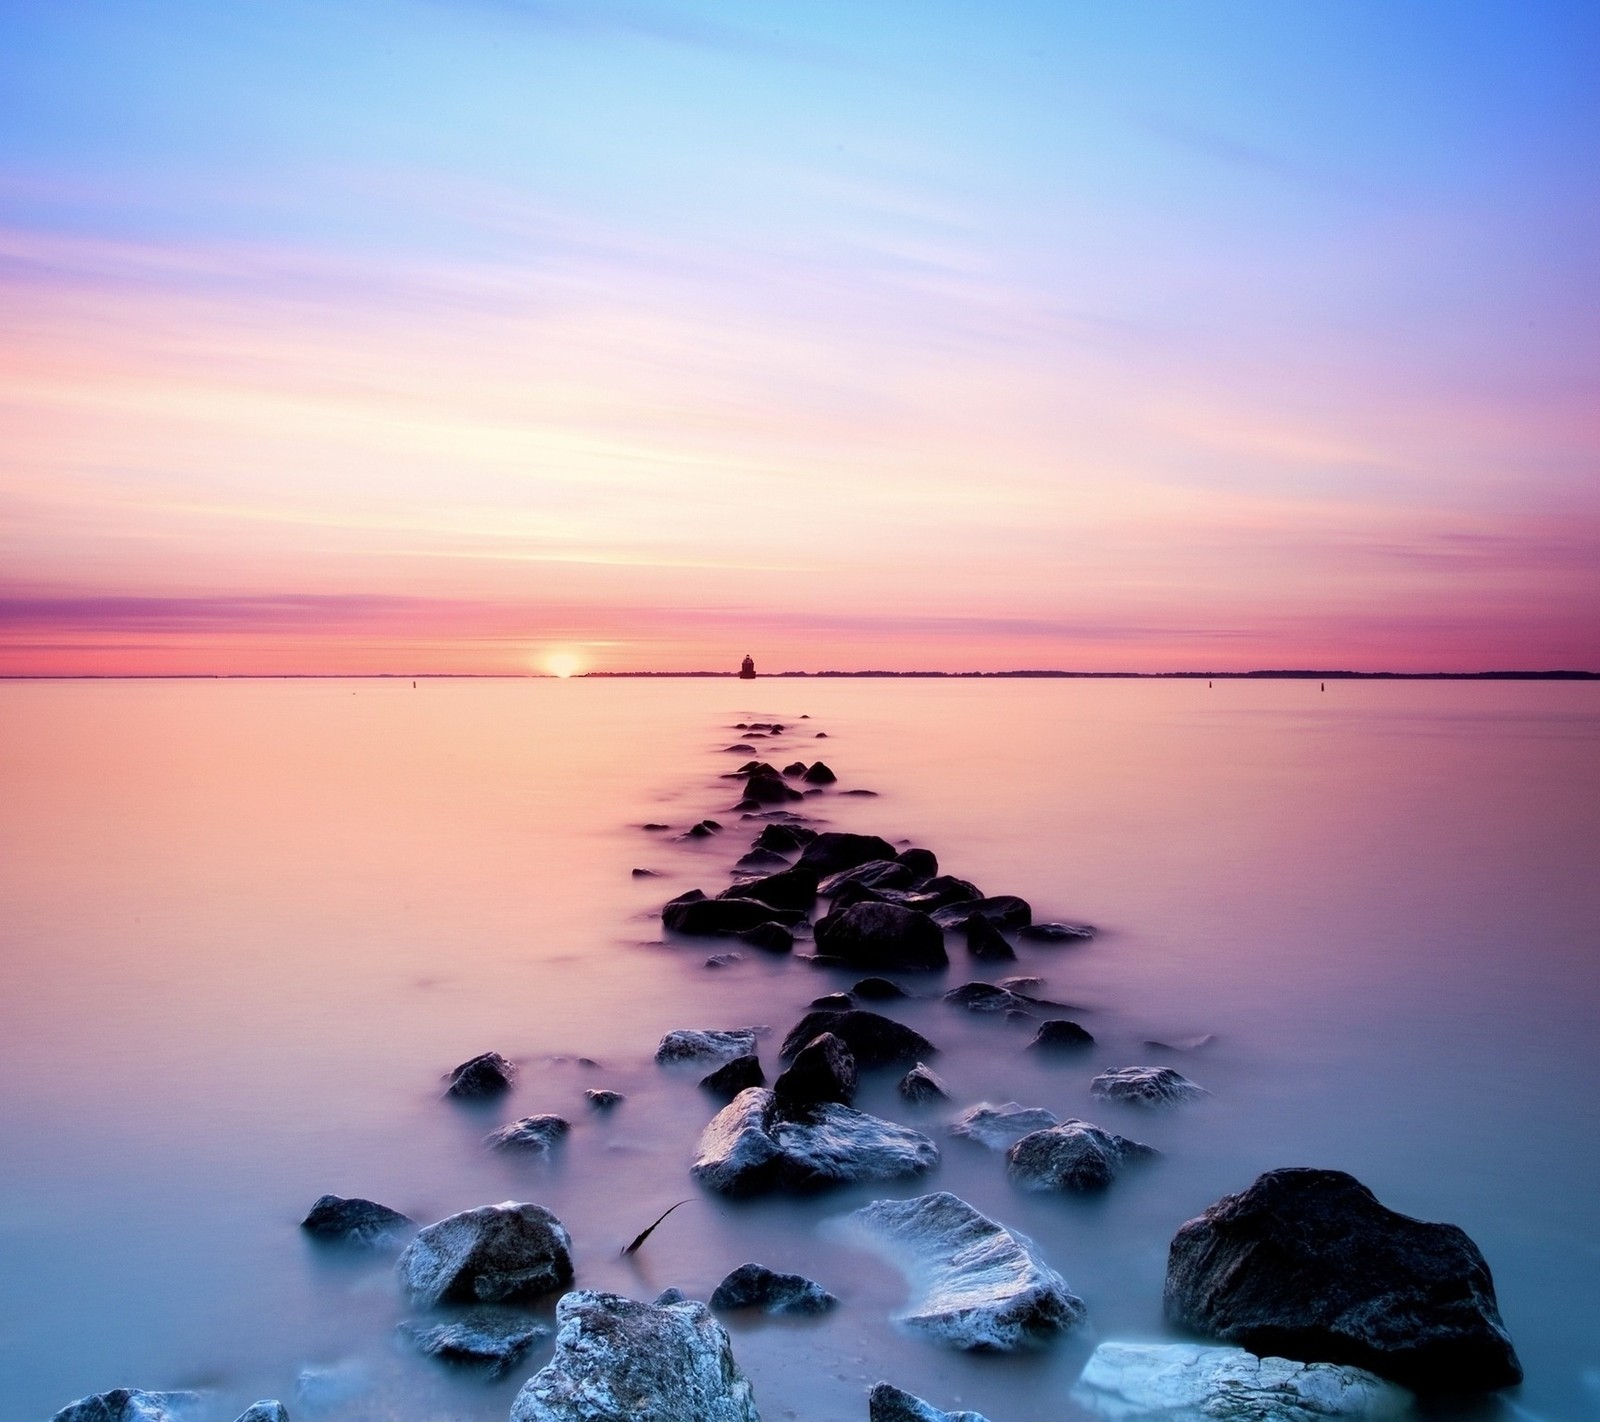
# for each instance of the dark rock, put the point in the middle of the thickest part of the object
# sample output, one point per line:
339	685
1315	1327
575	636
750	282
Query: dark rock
645	874
878	989
752	1146
603	1099
740	749
671	1296
729	1079
1071	1156
921	1085
359	1222
706	918
756	767
832	851
769	937
761	860
704	830
1060	1034
769	790
724	960
1145	1086
1055	932
785	839
872	935
486	1075
890	1404
494	1254
755	1286
617	1360
1025	985
945	889
1184	1044
854	892
873	1040
823	1070
492	1339
834	1001
1003	910
797	768
999	1127
534	1134
923	863
705	1045
986	941
789	889
1306	1264
871	794
820	774
129	1404
978	1285
874	874
985	997
655	828
822	735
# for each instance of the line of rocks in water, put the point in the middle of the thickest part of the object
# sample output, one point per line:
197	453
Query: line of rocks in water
1333	1305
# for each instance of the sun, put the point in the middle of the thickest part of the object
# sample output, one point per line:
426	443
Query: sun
563	663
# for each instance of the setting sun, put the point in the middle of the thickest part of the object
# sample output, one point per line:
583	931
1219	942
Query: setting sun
563	664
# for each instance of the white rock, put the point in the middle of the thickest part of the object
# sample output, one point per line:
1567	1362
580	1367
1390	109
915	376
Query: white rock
689	1045
129	1404
494	1254
1000	1126
1145	1086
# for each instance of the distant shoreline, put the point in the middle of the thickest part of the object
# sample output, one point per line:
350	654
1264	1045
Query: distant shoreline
1264	675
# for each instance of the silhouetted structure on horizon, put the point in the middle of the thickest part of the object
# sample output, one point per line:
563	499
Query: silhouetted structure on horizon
747	670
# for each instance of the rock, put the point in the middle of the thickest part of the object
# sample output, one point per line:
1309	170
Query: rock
769	938
875	935
752	1146
921	1085
1003	910
1307	1264
532	1133
819	774
1024	985
704	830
1184	1044
753	767
493	1254
979	1285
270	1410
494	1339
1000	1126
834	1001
874	874
986	941
483	1076
832	851
761	859
923	863
890	1404
670	1296
823	1070
822	735
1071	1156
129	1404
769	789
691	1045
724	960
790	889
854	892
872	794
360	1222
873	1040
655	828
945	889
1060	1034
1145	1086
703	917
646	874
878	990
755	1286
986	997
329	1388
603	1099
784	839
617	1360
1182	1382
1055	932
796	768
729	1079
740	748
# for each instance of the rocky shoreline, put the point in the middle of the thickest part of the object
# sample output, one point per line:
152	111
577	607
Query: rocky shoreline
1306	1297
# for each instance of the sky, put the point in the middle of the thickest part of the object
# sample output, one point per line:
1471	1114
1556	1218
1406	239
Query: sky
508	335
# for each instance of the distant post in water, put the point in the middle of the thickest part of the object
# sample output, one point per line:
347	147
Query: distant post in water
747	670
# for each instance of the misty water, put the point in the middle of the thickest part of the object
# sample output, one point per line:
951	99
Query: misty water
245	927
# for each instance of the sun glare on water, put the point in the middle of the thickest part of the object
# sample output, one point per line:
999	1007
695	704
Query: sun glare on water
563	664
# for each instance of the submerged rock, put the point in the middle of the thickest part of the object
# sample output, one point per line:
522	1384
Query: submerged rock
978	1285
603	1098
769	938
356	1221
794	888
986	997
756	1286
768	788
754	1145
921	1084
537	1134
878	990
1060	1034
819	774
985	941
891	1404
618	1360
1308	1264
785	839
923	863
1003	910
729	1079
129	1404
1001	1126
761	861
945	889
874	874
708	1045
1056	932
832	851
873	1040
1182	1382
1145	1086
879	935
724	960
834	1002
485	1075
695	915
493	1254
823	1070
1071	1156
492	1339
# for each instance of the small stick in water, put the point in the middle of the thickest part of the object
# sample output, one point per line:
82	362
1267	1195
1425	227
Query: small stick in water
648	1230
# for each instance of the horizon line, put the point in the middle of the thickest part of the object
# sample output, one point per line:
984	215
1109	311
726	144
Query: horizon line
1258	674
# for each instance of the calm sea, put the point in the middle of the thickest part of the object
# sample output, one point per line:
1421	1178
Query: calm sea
246	926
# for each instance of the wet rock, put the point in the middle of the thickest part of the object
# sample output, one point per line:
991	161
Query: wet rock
784	839
945	889
890	1404
753	1146
998	1127
129	1404
854	892
922	1084
822	735
269	1410
603	1099
788	889
874	874
923	863
875	935
878	990
740	748
1055	932
359	1222
795	768
871	794
703	917
978	1285
1145	1086
532	1134
761	861
873	1040
1071	1156
823	1070
1060	1034
483	1076
754	767
493	1254
768	937
655	828
819	774
832	851
1002	910
492	1339
986	997
645	874
1184	1044
986	941
1025	985
755	1286
618	1360
729	1079
1177	1382
769	789
670	1296
724	960
834	1002
1308	1264
703	830
708	1045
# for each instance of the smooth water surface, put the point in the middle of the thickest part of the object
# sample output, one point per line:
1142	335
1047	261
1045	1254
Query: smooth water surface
246	926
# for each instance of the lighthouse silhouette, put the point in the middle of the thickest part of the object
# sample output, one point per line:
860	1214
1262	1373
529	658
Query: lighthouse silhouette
747	670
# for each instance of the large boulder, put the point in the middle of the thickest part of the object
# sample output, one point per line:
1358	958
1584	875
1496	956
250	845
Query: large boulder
788	889
485	1075
832	851
823	1070
769	789
705	1045
1002	910
490	1339
874	874
753	1145
618	1360
873	1040
129	1404
783	839
493	1254
357	1222
756	1286
978	1285
760	861
1061	1034
986	997
1182	1382
729	1079
1071	1156
922	1085
999	1127
985	941
1145	1086
881	936
923	863
886	1403
697	916
944	889
819	774
768	937
1308	1265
